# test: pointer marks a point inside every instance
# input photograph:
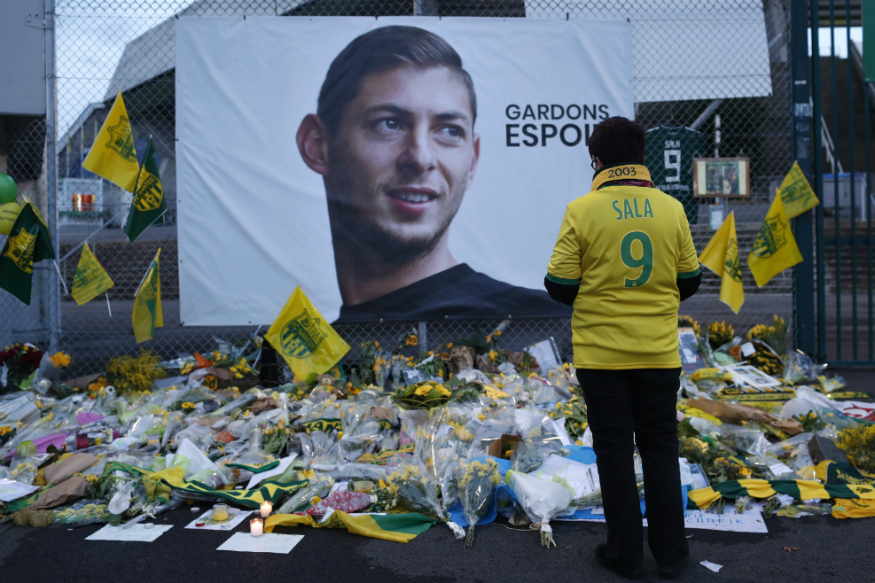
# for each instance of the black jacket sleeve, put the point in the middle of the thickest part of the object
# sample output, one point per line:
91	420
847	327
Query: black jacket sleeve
562	293
687	286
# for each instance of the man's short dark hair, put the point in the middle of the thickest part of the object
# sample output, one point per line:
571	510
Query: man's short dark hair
617	140
382	50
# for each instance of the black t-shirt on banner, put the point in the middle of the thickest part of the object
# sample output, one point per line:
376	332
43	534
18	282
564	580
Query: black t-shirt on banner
458	293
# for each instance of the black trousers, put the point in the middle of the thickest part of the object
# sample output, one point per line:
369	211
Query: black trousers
626	407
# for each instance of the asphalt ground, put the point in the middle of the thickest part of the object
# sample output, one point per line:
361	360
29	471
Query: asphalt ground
826	549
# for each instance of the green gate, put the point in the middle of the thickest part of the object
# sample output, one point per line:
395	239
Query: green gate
833	123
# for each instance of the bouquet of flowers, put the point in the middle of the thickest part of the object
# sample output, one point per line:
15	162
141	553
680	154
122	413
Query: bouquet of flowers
21	361
719	333
424	395
859	445
810	421
574	412
476	481
276	437
438	451
7	432
774	335
416	490
541	499
310	494
135	373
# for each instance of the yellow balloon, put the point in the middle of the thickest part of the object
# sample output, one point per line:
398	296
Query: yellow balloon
8	214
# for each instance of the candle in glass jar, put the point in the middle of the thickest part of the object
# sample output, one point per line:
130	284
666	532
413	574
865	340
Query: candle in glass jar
256	527
266	509
220	512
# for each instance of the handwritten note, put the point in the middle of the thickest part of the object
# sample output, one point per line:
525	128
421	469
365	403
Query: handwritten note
142	533
730	520
267	543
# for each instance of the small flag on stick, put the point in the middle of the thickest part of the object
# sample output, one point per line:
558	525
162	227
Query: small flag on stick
774	249
721	257
149	202
28	243
91	278
147	314
308	343
112	154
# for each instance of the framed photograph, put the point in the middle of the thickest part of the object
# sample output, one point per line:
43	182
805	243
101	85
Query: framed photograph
750	376
721	177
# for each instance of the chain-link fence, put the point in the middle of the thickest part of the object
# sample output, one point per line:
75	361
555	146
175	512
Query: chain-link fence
107	46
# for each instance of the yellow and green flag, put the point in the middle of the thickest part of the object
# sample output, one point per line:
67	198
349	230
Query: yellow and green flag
400	528
91	278
28	243
112	154
147	313
774	249
149	202
721	257
796	192
308	343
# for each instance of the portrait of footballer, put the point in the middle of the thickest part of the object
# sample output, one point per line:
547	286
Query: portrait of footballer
394	139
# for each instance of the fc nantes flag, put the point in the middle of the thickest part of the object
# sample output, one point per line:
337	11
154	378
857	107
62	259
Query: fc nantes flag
309	345
28	243
721	257
91	279
775	248
149	202
147	304
113	155
796	193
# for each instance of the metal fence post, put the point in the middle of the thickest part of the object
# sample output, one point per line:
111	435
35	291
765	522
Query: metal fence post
54	287
800	91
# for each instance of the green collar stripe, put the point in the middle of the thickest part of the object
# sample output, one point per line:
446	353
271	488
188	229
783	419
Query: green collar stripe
555	279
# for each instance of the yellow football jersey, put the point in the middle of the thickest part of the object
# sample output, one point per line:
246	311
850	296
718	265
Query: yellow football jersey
625	246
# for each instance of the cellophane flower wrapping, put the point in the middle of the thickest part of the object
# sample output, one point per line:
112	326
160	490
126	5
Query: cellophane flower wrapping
541	499
438	447
318	487
476	481
416	489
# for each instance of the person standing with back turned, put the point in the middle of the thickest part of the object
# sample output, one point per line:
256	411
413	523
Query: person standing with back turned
624	260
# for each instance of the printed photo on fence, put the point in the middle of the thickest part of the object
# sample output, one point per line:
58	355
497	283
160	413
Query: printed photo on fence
407	169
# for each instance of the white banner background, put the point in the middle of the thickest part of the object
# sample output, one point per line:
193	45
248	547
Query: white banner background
253	220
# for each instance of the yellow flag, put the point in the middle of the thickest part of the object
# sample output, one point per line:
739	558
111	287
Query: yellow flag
147	313
797	193
112	154
721	257
308	343
774	249
91	278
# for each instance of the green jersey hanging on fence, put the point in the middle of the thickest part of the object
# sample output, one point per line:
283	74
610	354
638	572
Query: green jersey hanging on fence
669	154
149	203
28	243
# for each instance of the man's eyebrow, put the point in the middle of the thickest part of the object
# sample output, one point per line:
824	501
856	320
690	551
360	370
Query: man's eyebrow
453	115
401	111
389	108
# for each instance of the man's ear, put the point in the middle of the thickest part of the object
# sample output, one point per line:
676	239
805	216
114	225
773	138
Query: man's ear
474	160
312	141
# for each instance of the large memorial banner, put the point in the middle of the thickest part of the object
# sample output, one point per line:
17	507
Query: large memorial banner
397	169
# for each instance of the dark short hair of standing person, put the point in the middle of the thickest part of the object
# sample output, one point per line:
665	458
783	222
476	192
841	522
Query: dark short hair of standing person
381	50
616	140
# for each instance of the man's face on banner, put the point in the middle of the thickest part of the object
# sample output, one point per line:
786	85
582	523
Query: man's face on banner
404	155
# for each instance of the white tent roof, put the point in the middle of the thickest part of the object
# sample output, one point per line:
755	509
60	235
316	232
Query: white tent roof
702	49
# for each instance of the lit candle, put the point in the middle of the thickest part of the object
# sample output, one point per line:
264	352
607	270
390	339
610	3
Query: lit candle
256	526
266	509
